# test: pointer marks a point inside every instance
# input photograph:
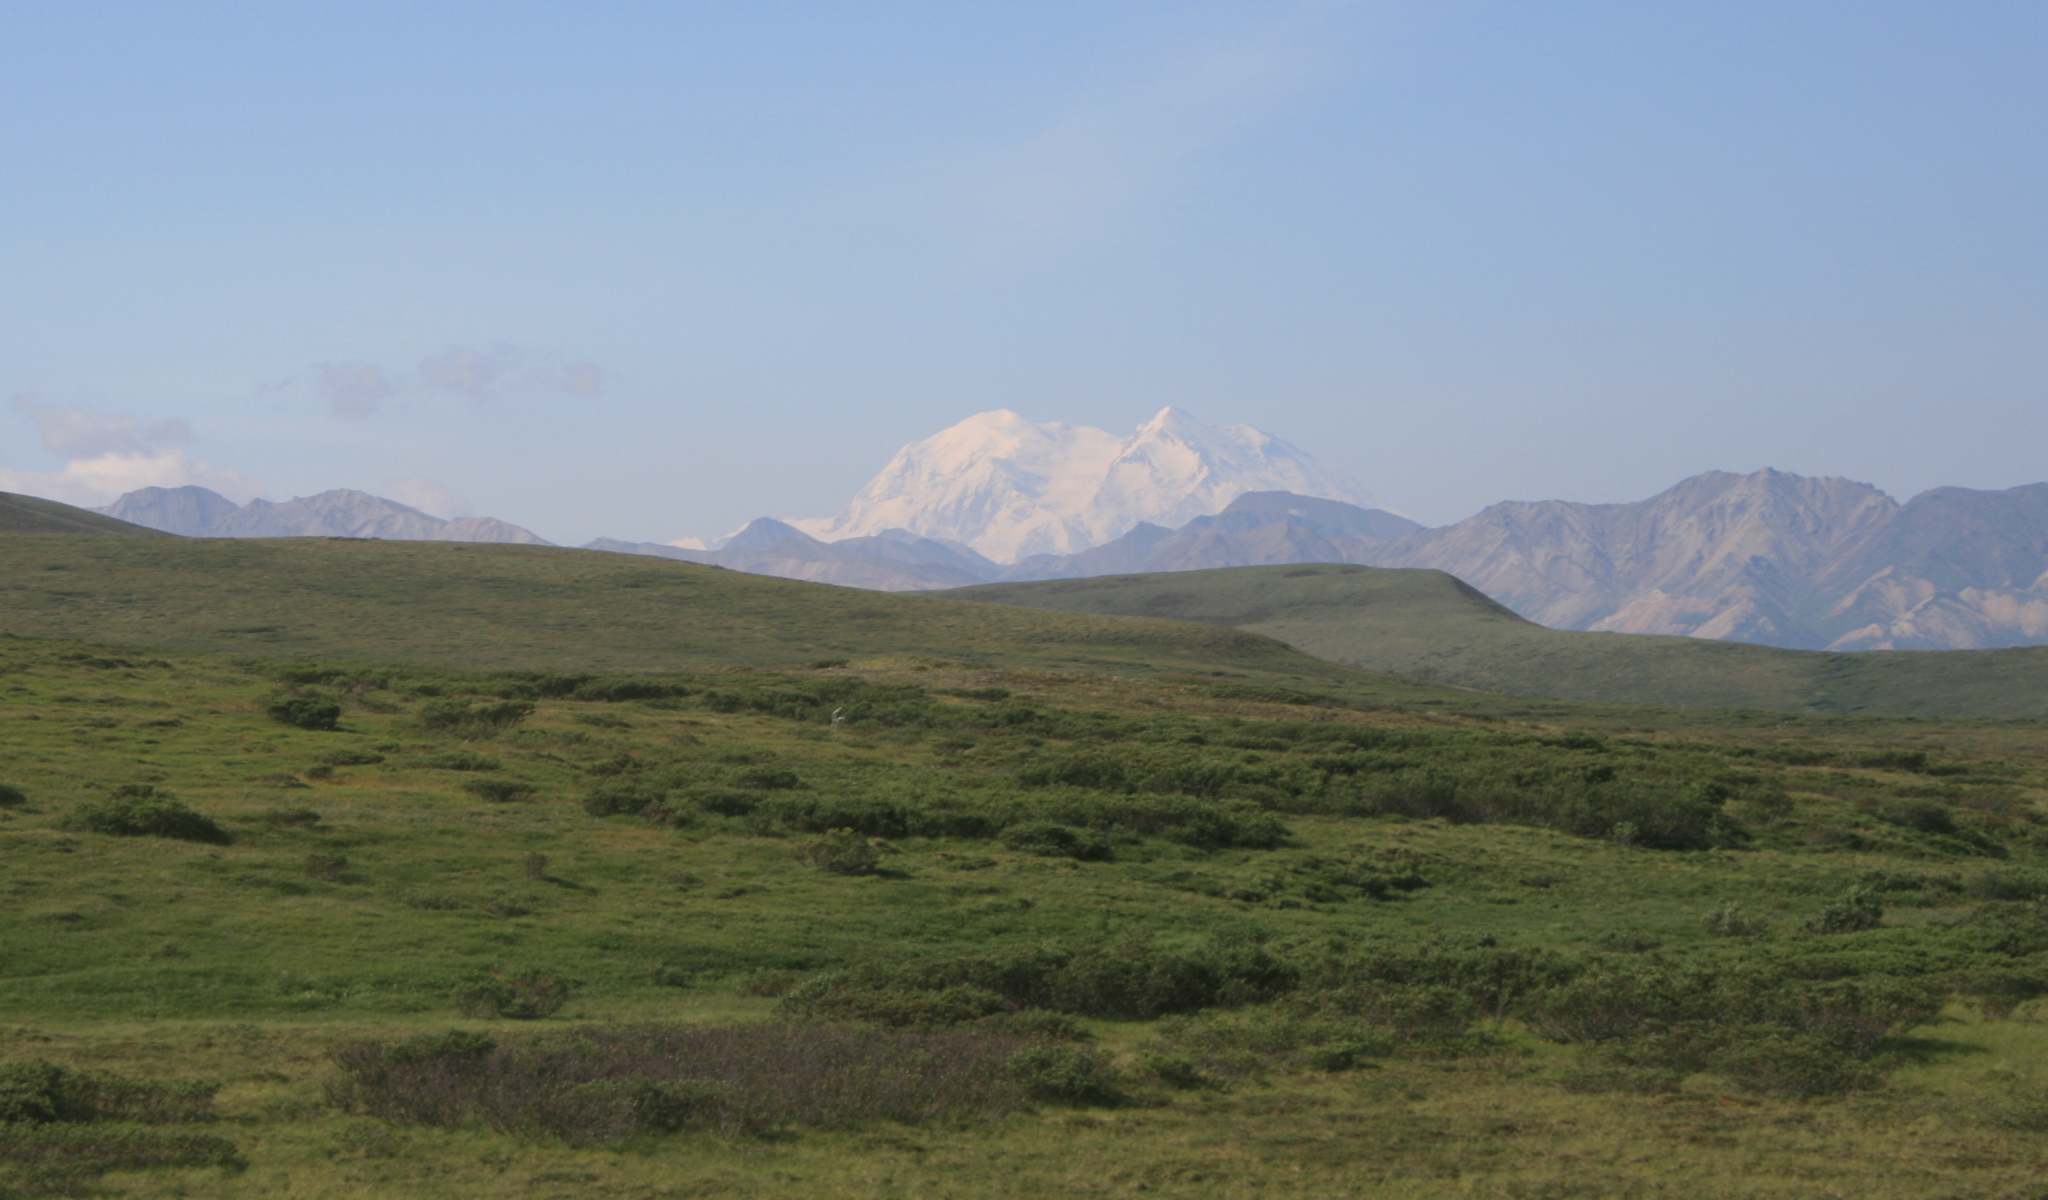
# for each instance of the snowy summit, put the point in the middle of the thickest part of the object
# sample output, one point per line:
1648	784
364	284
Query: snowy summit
1010	487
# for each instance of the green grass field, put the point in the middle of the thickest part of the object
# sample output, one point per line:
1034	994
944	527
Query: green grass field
1427	625
1284	930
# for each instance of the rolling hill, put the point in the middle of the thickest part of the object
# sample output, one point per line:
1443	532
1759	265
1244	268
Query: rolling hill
33	514
1429	625
497	606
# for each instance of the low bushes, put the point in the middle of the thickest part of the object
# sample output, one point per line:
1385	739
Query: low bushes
53	1138
11	796
305	712
449	716
1124	979
499	791
841	852
603	1085
1767	1031
141	810
520	996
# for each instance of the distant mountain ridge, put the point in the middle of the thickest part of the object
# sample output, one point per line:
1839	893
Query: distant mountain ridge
1771	557
1010	488
1256	528
342	512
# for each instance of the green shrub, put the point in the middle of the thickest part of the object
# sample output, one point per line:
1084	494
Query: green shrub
1790	1063
454	715
326	866
1858	909
623	797
1733	921
523	996
455	1044
352	758
842	852
35	1091
141	810
1056	841
305	712
499	791
11	796
1066	1074
461	760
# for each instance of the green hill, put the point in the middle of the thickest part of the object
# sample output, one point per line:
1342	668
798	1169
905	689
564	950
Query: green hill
33	514
1428	625
499	606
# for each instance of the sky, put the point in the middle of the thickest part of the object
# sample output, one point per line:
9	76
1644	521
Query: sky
648	270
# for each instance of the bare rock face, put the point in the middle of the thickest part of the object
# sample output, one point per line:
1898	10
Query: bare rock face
1955	569
1720	556
343	512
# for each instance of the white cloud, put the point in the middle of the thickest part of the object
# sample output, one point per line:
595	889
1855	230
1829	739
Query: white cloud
110	455
70	430
429	497
101	479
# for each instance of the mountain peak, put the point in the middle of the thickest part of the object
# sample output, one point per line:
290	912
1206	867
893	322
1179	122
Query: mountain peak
1009	487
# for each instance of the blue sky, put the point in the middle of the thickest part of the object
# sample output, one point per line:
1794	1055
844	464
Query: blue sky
648	270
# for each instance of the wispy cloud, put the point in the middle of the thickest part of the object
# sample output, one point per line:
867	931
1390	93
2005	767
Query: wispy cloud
1109	150
110	455
429	497
468	372
354	389
66	429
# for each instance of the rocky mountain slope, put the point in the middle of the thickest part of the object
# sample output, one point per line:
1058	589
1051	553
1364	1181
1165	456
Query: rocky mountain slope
1010	488
1770	558
343	512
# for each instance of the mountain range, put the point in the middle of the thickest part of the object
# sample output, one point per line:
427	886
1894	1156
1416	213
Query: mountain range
343	512
1770	557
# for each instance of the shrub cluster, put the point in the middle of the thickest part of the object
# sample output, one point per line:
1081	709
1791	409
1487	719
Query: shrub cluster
305	712
1129	978
519	995
1766	1029
142	810
607	1084
55	1136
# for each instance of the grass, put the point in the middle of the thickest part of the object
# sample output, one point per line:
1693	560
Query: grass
1427	625
489	606
32	514
595	856
362	887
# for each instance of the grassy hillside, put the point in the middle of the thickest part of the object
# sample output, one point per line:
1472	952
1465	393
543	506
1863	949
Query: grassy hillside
1428	625
890	932
487	606
32	514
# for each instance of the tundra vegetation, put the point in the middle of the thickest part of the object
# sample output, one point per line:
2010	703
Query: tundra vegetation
897	926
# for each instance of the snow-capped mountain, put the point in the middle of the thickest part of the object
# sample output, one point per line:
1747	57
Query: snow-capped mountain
1010	487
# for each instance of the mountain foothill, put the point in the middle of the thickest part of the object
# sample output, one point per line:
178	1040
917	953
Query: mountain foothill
1768	558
